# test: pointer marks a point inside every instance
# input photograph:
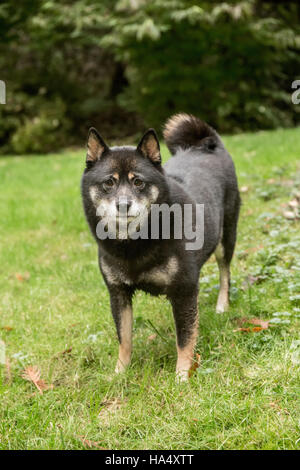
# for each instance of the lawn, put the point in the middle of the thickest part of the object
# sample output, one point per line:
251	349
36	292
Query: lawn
55	314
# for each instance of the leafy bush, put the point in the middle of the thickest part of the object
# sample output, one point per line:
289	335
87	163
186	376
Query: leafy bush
122	64
231	63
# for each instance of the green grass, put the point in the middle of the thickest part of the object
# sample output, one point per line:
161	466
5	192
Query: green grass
245	395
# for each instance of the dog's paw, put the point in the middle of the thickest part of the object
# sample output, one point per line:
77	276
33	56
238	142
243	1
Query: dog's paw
222	307
120	367
182	376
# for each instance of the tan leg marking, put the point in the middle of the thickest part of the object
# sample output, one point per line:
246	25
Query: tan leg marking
125	346
185	356
224	270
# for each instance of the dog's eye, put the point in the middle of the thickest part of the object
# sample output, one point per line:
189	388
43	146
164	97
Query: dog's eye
108	184
138	183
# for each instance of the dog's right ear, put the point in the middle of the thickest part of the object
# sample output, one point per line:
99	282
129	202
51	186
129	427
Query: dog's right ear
96	147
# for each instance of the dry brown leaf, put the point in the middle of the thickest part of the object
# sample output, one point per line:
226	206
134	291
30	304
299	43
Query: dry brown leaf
257	321
44	386
22	277
33	374
67	351
152	337
63	353
90	444
255	329
195	364
262	324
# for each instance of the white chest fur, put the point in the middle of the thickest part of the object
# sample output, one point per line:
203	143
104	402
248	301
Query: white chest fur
161	275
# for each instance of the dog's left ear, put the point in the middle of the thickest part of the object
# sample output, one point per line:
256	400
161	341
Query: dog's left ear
96	147
149	146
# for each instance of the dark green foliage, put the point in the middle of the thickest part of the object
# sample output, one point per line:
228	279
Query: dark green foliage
231	63
121	64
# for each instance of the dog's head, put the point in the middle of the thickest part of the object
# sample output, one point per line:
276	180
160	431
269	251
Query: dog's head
122	183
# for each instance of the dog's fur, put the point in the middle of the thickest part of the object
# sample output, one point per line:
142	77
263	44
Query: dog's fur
201	171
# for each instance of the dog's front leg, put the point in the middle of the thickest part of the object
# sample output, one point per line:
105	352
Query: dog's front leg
121	307
185	311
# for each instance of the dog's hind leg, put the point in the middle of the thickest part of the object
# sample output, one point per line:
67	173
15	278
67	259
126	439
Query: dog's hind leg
185	313
121	306
224	273
224	252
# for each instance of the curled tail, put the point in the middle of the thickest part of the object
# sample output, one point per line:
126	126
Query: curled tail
185	131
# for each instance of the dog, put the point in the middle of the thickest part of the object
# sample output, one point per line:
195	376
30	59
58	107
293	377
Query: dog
120	183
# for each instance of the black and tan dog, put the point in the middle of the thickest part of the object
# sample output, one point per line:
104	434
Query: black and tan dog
131	179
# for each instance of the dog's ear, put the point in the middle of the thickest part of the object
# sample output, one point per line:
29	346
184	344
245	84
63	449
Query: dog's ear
96	147
149	146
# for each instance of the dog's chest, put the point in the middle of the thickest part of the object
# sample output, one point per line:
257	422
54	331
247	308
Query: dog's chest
159	276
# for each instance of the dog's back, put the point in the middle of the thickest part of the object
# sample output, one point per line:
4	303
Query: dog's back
206	171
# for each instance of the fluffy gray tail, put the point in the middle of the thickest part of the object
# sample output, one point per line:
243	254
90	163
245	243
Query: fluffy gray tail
185	131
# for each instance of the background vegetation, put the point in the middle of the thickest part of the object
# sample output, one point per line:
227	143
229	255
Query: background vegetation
125	64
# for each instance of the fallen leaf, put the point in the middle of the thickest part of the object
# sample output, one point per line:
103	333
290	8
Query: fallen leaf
255	329
44	386
152	337
263	324
22	277
257	321
33	374
90	444
63	353
195	364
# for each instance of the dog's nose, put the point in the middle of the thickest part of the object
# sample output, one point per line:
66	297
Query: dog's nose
123	205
